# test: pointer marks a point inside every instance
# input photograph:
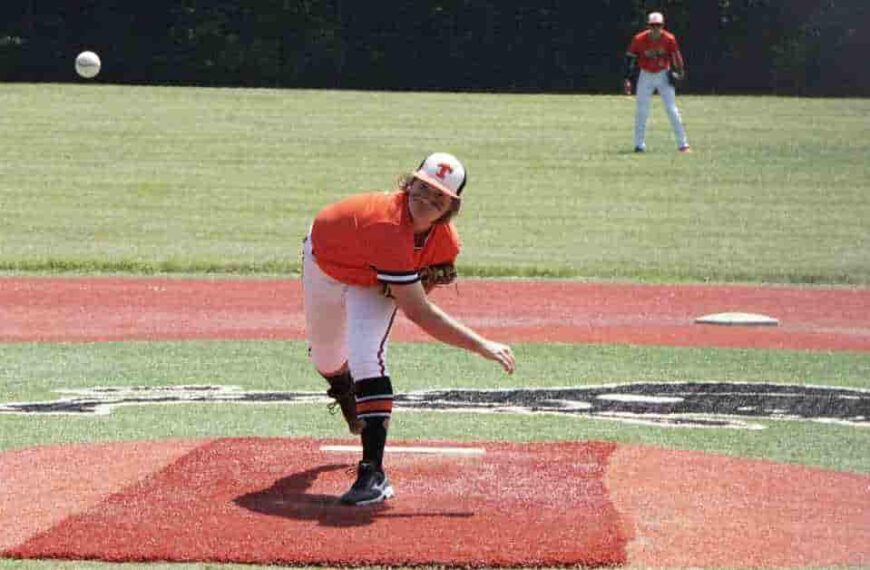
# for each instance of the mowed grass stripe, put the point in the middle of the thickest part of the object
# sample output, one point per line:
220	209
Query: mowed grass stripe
32	372
103	178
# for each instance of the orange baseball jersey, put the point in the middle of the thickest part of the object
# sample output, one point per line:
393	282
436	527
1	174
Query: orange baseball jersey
654	55
368	239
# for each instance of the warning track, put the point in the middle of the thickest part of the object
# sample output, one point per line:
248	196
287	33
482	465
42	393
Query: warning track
107	309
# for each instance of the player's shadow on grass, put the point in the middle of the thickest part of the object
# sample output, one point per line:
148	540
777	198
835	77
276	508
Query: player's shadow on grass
289	498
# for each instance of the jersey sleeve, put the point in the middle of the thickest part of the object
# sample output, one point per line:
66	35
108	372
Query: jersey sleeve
391	255
443	248
634	47
452	244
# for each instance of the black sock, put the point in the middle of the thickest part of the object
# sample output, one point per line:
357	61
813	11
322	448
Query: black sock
374	439
374	404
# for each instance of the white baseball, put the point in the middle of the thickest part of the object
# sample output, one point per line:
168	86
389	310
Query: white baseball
87	64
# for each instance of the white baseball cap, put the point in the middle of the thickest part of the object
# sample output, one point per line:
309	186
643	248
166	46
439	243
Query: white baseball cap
443	171
656	18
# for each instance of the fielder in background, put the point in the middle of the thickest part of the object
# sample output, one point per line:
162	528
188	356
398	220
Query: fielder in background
366	257
656	52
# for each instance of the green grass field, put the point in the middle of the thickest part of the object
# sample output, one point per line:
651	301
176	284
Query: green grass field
117	179
114	178
38	370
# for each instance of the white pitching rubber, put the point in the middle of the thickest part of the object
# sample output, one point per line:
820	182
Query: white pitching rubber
395	449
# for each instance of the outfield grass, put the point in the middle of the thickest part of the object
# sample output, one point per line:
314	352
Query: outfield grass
118	179
99	178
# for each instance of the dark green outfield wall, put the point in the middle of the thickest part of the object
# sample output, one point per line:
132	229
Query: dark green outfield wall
797	47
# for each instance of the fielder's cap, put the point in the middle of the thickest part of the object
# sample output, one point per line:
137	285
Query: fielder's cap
443	171
656	18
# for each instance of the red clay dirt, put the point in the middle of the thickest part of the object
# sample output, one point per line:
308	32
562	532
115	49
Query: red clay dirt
699	510
273	500
104	309
43	485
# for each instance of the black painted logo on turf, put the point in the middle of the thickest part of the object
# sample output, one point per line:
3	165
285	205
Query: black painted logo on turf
689	404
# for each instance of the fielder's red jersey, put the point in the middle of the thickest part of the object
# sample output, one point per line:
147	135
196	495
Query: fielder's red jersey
368	239
654	55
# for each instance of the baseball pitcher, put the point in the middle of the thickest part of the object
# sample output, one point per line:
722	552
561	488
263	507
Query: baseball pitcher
365	258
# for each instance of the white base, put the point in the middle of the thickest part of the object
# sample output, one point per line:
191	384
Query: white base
746	319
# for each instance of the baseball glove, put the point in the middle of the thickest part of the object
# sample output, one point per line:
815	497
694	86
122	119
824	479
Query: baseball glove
674	77
438	274
431	276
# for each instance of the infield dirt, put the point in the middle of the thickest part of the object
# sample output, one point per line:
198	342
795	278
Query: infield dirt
104	309
274	501
268	501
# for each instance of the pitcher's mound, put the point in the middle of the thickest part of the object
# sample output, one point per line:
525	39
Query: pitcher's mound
274	501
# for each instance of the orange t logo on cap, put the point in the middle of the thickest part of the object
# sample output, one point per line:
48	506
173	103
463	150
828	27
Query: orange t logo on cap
443	170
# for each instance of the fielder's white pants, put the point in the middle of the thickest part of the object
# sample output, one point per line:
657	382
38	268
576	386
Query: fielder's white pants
647	84
345	323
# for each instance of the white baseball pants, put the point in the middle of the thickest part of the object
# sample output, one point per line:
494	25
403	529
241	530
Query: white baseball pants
345	323
647	84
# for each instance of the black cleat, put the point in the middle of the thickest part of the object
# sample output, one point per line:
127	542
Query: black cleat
341	390
371	486
639	149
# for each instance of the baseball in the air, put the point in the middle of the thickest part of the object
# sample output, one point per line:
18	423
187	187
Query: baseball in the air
87	64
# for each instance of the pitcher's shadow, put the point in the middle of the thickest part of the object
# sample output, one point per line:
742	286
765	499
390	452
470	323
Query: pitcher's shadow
289	498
